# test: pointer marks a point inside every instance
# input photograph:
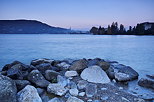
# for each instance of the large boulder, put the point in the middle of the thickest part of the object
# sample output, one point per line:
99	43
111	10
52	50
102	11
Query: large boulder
38	79
124	73
51	75
63	65
8	66
41	61
28	94
104	65
79	65
146	83
92	62
74	99
43	67
8	89
21	83
56	100
56	89
95	74
18	71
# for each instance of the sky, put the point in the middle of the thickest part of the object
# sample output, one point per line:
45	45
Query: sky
79	14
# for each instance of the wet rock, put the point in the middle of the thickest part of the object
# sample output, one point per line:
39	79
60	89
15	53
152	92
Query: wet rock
62	80
146	83
28	94
3	73
41	61
104	65
38	79
18	71
150	76
79	65
91	90
21	83
56	89
72	85
82	84
55	100
51	75
8	89
71	73
43	67
110	72
95	74
40	91
63	65
92	62
8	66
74	92
74	99
124	73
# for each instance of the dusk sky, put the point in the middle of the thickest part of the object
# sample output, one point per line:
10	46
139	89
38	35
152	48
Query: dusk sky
79	14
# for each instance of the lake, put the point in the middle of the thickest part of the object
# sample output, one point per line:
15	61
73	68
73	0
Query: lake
135	51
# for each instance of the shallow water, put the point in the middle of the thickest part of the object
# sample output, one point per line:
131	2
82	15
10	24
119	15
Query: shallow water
135	51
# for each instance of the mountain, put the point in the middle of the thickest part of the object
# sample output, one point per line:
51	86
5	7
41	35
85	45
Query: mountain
29	27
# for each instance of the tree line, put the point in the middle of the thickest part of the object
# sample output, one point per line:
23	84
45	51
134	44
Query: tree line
113	29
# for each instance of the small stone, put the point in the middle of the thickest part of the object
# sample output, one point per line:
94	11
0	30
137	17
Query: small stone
121	88
74	99
91	90
74	92
82	94
104	98
146	83
21	83
63	65
51	75
56	89
82	84
72	85
89	100
103	88
71	73
40	91
125	99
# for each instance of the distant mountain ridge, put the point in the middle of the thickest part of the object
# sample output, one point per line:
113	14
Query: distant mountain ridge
29	27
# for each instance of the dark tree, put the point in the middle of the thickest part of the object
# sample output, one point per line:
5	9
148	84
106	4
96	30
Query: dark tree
109	30
122	29
94	30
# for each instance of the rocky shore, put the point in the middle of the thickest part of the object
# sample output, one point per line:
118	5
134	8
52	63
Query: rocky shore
83	80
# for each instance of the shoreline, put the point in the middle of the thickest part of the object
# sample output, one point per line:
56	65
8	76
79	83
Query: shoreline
72	76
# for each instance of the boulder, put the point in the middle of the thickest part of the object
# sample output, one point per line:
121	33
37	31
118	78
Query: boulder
56	89
40	91
63	81
71	73
43	67
124	73
8	89
146	83
63	65
74	99
8	66
41	61
18	71
21	83
95	74
91	90
150	76
104	65
74	92
28	94
92	62
79	65
51	75
55	100
38	79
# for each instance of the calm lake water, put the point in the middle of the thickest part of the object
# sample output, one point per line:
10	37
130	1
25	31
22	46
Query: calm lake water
135	51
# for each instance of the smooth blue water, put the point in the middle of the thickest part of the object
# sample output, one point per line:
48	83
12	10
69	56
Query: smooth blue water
135	51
